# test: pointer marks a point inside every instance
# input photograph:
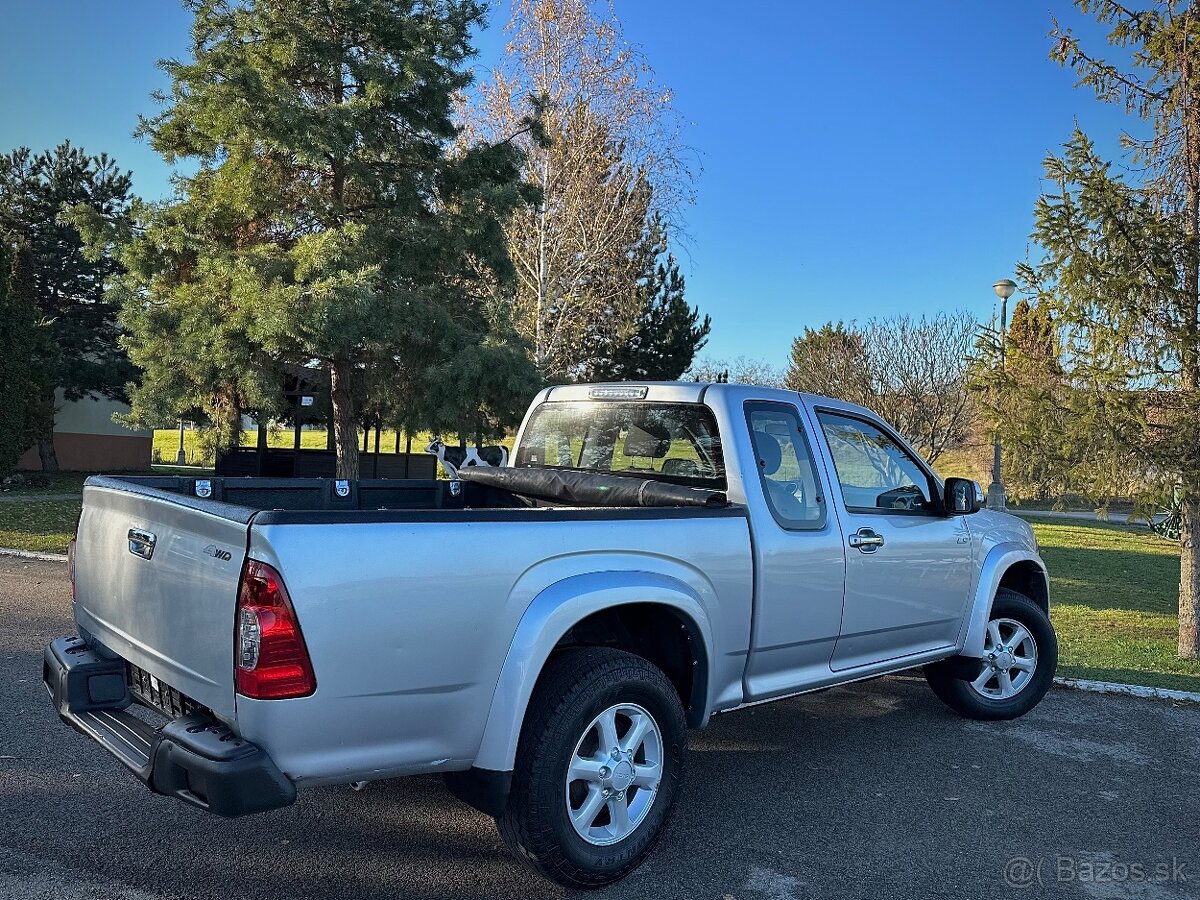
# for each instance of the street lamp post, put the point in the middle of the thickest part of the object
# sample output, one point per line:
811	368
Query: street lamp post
1004	289
181	456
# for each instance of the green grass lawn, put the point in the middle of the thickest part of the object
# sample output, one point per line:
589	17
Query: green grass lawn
166	442
72	482
43	525
964	463
60	483
1114	600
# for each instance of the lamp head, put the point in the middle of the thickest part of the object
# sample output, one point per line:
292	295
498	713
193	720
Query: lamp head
1004	288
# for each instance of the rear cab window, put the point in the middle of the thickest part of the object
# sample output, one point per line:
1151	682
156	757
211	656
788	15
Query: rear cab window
676	442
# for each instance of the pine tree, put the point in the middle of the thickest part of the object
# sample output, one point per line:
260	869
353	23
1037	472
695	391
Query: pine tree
1121	272
328	223
667	335
22	345
1029	399
82	355
663	339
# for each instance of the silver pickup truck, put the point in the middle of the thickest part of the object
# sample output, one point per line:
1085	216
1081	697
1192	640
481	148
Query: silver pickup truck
545	633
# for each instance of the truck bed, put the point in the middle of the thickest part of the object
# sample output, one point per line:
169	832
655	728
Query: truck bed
410	609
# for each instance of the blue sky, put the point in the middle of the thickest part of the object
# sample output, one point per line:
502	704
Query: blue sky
858	159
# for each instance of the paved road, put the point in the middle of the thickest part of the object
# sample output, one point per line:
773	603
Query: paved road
870	791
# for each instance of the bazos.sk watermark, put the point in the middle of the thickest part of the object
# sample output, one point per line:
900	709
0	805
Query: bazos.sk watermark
1065	868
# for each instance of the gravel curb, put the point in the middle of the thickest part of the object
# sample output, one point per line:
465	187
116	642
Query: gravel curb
1129	690
32	554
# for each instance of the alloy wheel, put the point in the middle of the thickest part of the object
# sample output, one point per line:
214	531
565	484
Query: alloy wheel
1009	660
614	773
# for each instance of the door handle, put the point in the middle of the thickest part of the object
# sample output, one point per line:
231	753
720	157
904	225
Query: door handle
141	543
866	540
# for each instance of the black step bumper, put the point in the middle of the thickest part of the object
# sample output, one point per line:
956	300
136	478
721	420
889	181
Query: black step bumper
195	757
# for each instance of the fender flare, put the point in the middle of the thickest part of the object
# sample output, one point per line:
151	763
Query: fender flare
999	560
551	614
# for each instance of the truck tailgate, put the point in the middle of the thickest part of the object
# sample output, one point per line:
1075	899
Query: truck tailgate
168	608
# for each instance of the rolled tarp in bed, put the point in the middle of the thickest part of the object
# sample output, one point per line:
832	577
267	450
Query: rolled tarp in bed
588	489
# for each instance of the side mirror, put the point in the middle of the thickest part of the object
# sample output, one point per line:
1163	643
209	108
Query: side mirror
961	497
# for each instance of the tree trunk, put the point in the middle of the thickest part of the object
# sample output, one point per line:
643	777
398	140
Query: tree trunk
345	422
260	444
1189	578
229	426
46	453
1189	506
42	422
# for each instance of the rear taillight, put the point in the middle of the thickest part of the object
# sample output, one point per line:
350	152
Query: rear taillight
270	659
71	566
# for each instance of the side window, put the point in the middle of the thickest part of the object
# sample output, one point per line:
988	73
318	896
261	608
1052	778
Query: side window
875	472
785	465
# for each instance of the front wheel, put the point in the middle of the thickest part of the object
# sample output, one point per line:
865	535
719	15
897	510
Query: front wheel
598	767
1020	655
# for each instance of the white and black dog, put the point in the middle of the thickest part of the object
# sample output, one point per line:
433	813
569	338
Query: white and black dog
455	458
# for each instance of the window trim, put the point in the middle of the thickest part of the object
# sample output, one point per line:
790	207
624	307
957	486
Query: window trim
748	408
934	483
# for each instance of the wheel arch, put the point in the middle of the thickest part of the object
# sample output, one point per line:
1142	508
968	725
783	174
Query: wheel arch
661	634
1025	576
649	614
1006	566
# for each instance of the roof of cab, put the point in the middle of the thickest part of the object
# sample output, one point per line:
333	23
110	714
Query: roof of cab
696	392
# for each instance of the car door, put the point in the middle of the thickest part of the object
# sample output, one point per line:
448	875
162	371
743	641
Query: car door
908	572
799	557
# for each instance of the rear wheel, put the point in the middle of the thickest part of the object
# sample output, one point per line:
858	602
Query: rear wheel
598	767
1020	655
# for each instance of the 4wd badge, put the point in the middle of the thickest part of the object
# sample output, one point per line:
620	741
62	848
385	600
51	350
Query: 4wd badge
217	553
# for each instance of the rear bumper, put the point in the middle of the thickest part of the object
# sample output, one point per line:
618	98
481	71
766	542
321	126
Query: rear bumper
194	758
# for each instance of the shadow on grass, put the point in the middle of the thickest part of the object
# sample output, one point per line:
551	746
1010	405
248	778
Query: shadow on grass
1114	595
1133	580
1108	567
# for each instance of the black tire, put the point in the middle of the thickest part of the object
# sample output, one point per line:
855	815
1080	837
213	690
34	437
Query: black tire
576	686
951	679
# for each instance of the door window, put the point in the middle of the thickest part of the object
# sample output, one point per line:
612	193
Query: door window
875	472
785	466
